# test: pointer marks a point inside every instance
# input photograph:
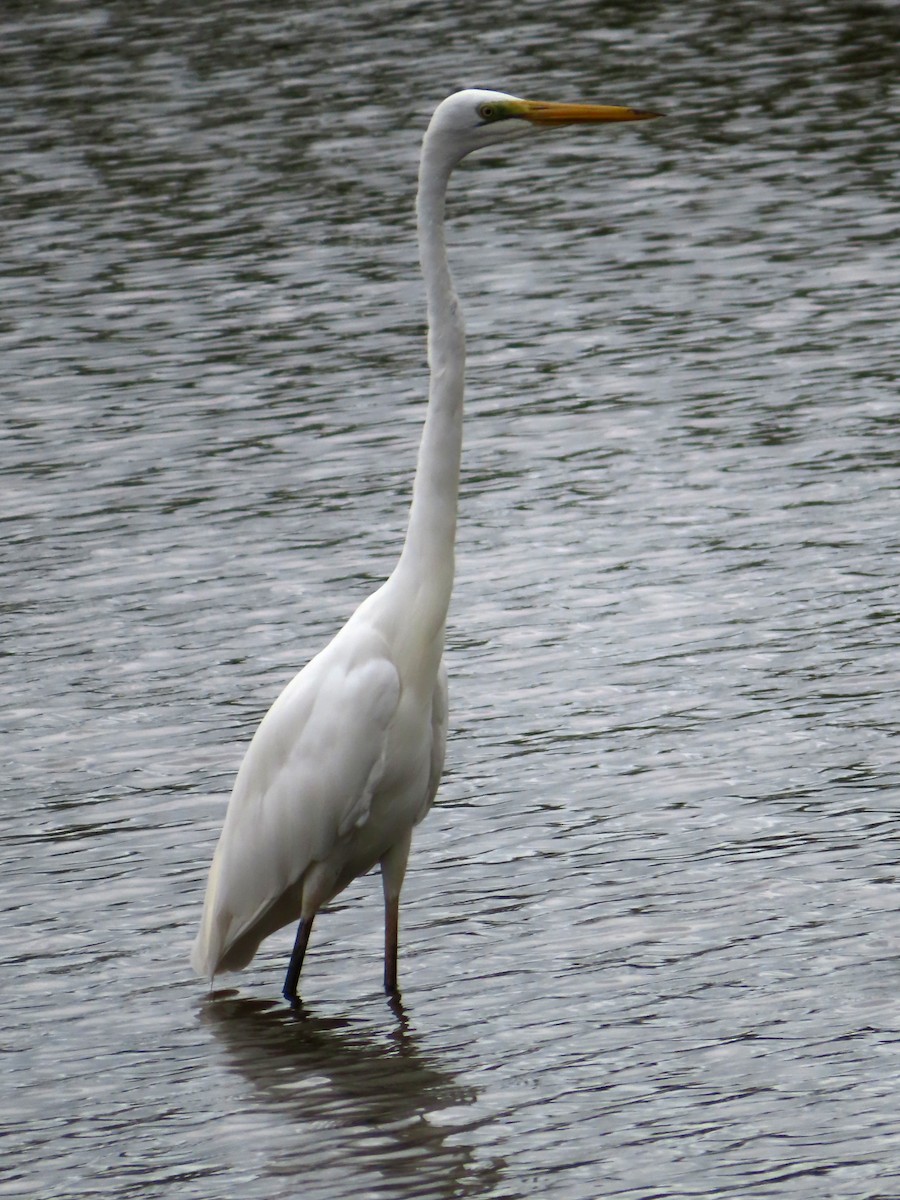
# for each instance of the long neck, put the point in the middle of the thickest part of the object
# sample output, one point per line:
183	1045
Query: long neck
427	555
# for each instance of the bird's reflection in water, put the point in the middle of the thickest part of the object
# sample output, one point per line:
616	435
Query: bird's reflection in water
361	1101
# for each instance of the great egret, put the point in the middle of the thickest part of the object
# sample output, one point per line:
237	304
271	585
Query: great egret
348	758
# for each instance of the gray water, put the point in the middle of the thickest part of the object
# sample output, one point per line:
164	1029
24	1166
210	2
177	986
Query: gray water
650	939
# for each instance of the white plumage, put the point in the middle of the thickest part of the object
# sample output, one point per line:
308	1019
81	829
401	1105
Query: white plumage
349	756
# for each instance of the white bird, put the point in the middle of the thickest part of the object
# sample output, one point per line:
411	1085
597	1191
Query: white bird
348	759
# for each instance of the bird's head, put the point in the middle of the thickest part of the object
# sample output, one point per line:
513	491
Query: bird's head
474	118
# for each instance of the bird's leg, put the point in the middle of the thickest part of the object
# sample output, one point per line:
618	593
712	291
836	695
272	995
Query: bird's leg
393	868
391	941
289	991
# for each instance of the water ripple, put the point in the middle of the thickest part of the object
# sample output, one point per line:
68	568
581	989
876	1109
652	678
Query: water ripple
650	929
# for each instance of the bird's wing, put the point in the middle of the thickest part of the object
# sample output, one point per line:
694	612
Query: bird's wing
307	779
324	740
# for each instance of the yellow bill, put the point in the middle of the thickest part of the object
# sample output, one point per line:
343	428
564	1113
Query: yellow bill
548	112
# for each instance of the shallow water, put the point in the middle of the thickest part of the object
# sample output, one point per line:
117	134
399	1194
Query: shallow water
650	939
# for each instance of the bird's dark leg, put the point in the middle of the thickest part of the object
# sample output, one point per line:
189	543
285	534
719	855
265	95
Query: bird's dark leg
393	868
391	940
289	991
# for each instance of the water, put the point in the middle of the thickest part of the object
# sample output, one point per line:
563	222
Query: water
650	936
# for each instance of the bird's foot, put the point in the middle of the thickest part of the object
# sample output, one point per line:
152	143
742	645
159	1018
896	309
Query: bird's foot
395	1002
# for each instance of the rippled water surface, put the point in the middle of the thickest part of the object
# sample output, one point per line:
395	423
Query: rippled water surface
650	941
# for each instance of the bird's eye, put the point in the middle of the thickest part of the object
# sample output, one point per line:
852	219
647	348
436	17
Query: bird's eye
487	112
